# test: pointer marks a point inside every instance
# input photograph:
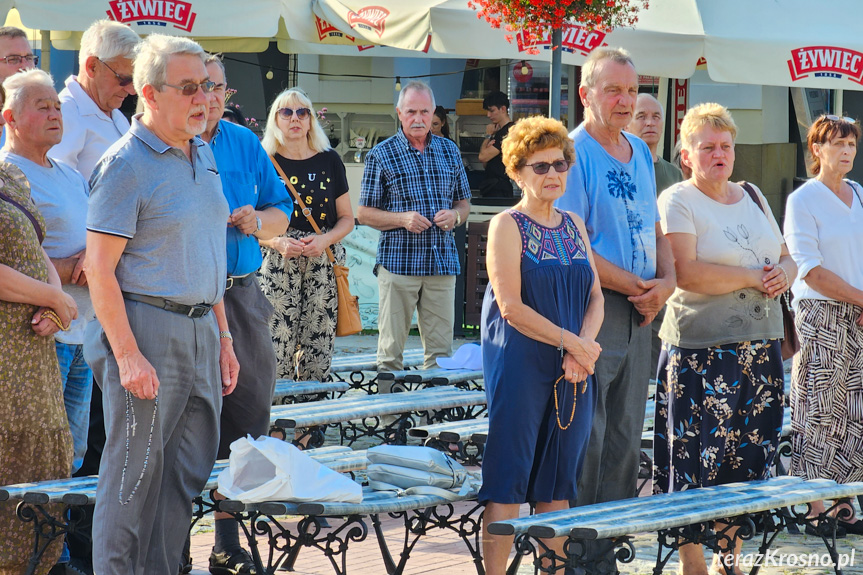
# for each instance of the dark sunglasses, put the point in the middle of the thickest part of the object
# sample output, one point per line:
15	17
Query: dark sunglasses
833	118
302	113
122	80
192	89
541	168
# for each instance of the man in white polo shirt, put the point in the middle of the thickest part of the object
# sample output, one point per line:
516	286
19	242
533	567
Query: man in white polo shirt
91	100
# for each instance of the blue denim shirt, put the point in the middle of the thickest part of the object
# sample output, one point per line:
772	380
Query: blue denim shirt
248	178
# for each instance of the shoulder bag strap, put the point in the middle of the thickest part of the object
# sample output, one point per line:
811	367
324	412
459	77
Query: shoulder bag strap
752	195
39	233
855	190
306	211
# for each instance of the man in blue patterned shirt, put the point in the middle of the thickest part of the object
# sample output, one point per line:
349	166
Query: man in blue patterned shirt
415	191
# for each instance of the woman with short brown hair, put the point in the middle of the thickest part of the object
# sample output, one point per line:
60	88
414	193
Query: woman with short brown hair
824	229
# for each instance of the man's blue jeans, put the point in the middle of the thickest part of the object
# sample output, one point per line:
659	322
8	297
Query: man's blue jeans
77	387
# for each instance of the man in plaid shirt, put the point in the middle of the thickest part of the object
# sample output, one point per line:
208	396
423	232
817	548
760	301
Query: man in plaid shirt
415	191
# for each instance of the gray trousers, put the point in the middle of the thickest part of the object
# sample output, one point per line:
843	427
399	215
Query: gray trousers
145	485
247	409
610	470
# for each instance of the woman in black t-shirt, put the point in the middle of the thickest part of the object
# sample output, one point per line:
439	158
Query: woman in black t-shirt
296	275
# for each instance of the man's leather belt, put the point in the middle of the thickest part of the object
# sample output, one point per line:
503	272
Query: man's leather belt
192	311
239	281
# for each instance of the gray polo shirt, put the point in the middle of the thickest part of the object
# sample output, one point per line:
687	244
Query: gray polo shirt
171	210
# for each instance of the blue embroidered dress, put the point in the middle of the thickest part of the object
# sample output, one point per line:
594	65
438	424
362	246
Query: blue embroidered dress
528	457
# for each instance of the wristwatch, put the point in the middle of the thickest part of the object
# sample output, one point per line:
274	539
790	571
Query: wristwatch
258	221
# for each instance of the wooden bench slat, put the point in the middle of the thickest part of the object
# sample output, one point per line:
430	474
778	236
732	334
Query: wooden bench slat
669	509
288	388
430	375
375	502
341	410
454	431
648	514
82	490
588	512
361	399
369	361
794	495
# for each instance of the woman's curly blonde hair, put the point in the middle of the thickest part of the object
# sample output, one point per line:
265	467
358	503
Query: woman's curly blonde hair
531	135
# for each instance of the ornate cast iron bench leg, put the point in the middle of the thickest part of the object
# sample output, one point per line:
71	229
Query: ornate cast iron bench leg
418	522
46	527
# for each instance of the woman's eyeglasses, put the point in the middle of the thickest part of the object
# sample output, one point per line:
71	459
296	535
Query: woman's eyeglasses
541	168
833	118
302	113
122	80
192	89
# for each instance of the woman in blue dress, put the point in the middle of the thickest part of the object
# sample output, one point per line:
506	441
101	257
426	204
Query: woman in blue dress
541	313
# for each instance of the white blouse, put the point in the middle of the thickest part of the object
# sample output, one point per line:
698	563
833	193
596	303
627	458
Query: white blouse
821	230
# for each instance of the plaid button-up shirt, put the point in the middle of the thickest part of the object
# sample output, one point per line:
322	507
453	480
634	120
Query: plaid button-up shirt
398	178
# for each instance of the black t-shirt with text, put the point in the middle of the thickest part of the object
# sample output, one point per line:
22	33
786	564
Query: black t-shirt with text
319	180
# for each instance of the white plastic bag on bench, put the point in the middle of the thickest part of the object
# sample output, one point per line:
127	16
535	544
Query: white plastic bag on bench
269	469
417	470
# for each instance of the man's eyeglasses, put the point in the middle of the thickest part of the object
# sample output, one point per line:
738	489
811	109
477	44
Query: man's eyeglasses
192	89
16	60
833	118
541	168
122	80
302	113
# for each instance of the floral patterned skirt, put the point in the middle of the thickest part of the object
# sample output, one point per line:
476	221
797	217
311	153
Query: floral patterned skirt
303	293
718	414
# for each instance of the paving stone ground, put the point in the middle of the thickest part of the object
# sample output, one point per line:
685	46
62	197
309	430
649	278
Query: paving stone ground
443	553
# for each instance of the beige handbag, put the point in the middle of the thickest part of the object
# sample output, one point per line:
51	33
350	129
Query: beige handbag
348	320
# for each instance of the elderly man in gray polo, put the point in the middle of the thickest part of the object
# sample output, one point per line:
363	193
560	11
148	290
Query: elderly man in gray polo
156	267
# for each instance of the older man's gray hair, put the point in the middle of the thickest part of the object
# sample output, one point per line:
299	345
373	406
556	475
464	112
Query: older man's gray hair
419	87
12	32
151	61
106	40
588	69
19	84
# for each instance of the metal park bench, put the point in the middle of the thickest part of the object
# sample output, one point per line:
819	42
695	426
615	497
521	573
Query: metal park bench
679	518
385	417
407	380
352	368
288	391
348	523
443	436
73	493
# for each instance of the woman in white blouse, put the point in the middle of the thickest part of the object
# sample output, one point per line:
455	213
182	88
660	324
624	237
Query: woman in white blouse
824	231
720	381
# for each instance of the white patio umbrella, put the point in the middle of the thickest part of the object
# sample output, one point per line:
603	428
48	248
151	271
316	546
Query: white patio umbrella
773	42
784	42
226	25
667	41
